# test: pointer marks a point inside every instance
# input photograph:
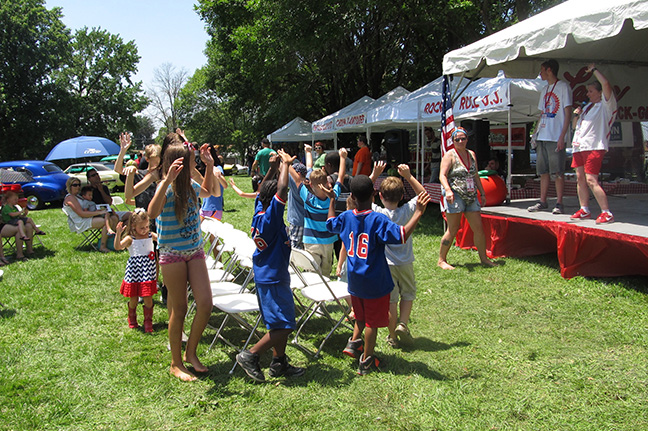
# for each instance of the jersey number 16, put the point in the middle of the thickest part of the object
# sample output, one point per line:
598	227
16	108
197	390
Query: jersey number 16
362	247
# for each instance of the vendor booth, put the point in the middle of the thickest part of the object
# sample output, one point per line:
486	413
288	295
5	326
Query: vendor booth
577	32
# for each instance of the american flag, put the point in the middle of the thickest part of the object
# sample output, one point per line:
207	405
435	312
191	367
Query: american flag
447	119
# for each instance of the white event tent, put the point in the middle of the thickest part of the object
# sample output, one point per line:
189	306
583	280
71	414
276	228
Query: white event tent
577	32
296	130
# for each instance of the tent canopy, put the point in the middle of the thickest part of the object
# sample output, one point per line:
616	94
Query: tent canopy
580	31
327	124
296	130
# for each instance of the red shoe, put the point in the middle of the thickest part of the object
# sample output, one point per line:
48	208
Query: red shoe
604	218
580	215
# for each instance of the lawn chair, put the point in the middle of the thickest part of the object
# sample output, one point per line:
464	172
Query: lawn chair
88	237
319	291
9	242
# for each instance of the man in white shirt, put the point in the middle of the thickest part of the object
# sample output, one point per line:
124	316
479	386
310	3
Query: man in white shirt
592	126
556	109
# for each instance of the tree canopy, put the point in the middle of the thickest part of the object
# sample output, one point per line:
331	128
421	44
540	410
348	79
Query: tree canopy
54	85
284	58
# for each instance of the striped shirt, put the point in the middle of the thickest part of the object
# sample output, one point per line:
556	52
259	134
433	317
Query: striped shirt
180	237
315	216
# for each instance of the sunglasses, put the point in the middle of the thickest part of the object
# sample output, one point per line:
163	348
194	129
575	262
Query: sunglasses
75	185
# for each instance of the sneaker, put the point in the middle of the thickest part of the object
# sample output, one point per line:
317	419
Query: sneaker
250	363
580	215
604	218
280	367
368	365
393	342
404	335
537	207
558	209
354	348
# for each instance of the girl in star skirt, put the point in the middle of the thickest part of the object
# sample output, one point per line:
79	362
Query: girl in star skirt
140	279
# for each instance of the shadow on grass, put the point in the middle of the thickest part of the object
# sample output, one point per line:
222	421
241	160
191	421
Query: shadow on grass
401	366
6	313
427	345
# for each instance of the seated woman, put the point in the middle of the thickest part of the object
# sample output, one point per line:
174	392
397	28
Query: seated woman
80	218
7	230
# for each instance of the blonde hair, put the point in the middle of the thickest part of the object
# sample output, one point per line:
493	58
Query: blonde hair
392	189
138	215
318	176
152	150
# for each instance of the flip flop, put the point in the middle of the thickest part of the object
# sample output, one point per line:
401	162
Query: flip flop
25	238
40	232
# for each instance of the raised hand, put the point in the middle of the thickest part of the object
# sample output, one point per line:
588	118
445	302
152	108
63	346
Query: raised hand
175	168
285	157
328	191
422	201
125	141
404	170
343	153
308	148
205	155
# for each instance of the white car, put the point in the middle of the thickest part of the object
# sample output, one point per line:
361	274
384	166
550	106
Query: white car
108	176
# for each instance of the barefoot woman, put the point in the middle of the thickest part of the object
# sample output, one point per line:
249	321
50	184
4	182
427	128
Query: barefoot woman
460	182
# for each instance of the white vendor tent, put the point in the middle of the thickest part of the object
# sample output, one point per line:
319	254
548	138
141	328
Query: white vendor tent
296	130
359	120
328	124
612	34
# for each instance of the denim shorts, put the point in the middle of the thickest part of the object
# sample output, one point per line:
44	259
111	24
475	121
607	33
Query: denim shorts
459	205
549	161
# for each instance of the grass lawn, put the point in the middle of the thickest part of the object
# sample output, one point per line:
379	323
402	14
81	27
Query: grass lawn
513	347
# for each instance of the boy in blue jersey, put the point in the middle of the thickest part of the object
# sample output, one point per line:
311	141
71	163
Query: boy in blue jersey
318	241
364	233
271	278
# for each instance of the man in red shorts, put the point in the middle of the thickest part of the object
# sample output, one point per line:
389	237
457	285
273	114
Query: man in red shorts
591	138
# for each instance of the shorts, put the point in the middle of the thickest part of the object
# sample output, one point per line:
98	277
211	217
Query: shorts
169	255
591	160
121	215
373	312
277	305
296	235
404	282
323	254
459	205
549	161
218	215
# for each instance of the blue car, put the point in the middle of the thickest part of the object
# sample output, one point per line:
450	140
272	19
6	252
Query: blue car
41	182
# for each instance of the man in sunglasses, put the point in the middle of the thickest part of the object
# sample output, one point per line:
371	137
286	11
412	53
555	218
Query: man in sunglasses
101	194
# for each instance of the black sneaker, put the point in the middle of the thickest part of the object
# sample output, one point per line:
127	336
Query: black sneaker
250	363
354	348
280	367
368	365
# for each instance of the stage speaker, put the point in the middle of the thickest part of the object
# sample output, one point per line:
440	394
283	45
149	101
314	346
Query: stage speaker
478	136
396	143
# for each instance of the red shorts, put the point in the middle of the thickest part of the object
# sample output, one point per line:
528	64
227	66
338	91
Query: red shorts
374	312
591	160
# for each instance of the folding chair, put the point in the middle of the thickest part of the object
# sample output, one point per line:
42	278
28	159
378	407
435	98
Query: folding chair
118	200
89	237
319	292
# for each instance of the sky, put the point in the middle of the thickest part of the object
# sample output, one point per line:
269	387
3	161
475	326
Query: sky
148	23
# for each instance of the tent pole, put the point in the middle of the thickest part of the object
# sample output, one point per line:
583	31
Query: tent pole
508	156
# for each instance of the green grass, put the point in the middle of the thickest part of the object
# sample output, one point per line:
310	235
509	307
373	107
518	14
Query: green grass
514	347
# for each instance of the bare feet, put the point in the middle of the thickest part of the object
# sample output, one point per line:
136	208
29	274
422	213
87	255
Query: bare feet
444	265
195	362
182	373
488	263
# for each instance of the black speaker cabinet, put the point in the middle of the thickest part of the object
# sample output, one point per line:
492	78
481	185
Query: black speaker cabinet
396	144
478	132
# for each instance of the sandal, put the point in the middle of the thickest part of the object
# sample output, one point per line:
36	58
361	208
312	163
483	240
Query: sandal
40	232
24	238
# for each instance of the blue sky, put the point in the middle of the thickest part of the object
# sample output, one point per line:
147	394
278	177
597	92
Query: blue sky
149	24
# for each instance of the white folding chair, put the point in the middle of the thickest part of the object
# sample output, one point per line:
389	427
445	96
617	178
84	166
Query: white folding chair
320	291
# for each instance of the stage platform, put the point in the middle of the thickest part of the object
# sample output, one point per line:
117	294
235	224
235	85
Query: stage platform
583	247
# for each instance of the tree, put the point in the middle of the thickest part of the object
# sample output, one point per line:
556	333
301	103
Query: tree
33	44
102	97
167	84
285	58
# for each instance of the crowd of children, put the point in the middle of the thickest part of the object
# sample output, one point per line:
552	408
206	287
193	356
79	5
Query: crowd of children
374	256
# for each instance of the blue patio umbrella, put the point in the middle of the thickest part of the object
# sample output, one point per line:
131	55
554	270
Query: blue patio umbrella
82	147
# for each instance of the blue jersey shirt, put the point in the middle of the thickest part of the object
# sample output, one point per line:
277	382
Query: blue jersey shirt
315	215
272	255
364	235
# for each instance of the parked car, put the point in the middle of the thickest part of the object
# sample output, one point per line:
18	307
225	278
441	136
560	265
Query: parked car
40	181
229	169
108	176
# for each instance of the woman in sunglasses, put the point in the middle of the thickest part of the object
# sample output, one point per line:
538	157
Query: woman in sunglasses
81	218
460	183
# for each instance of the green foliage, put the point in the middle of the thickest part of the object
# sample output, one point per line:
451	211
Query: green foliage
102	99
54	86
33	45
279	59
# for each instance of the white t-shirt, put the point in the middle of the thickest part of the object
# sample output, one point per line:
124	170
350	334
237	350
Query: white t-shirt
399	254
594	123
553	101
